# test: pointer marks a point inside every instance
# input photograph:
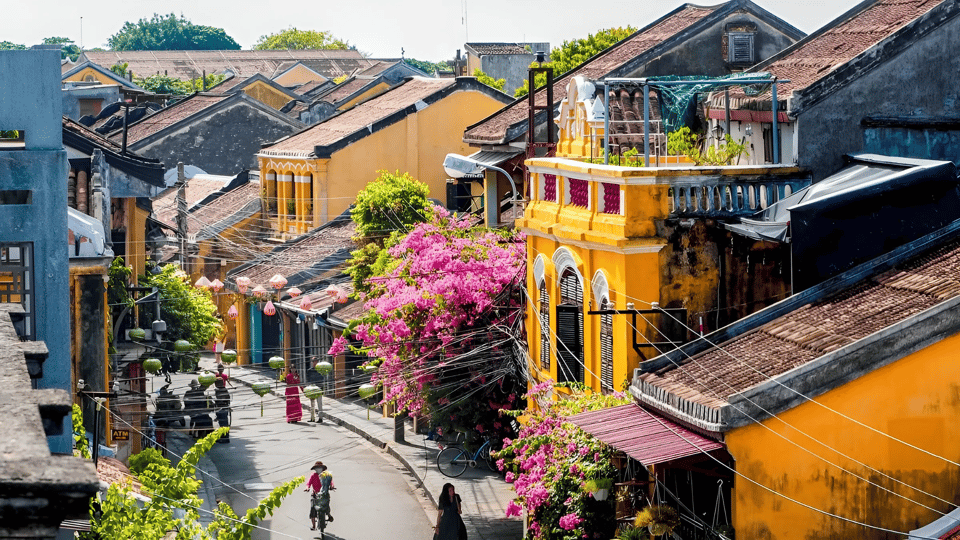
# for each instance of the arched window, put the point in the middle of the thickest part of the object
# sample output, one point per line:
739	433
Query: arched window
544	327
570	328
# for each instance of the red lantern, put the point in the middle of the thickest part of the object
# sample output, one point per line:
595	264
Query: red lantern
269	309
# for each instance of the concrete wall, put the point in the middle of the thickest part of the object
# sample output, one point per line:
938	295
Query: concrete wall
30	100
705	52
929	143
72	96
919	81
224	142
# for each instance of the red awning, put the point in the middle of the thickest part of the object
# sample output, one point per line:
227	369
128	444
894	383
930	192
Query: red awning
742	115
642	435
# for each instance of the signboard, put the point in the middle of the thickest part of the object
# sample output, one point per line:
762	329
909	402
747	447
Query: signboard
120	434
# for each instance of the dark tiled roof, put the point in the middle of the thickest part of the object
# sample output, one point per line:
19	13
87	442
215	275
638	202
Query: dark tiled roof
191	64
169	116
484	49
626	117
198	188
93	136
815	330
303	258
345	89
813	58
306	88
227	85
494	128
360	117
223	207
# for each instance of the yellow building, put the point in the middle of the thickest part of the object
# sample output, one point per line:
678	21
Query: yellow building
631	238
312	176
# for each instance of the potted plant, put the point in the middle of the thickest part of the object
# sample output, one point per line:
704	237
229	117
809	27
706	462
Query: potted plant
598	487
628	532
659	519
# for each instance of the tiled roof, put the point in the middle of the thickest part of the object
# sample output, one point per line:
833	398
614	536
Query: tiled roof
223	207
198	188
379	67
360	117
813	58
303	257
494	128
191	64
227	85
113	471
169	116
345	89
83	131
814	330
484	49
305	88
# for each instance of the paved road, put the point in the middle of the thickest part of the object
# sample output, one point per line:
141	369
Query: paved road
375	497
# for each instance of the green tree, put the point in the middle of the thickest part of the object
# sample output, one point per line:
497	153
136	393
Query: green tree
173	488
164	84
388	206
483	78
573	53
292	38
168	32
428	67
9	46
67	48
120	69
189	312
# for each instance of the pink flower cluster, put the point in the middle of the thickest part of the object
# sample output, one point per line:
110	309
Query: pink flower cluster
445	273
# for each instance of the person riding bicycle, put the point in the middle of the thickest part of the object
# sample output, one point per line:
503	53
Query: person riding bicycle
321	481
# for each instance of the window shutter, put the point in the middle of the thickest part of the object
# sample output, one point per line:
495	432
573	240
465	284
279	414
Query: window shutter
740	48
606	351
570	329
544	328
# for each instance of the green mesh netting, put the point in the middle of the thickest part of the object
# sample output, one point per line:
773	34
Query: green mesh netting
678	102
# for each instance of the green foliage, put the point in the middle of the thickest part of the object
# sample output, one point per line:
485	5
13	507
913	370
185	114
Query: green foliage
341	78
9	46
163	84
189	312
80	443
483	78
9	134
67	48
428	67
170	488
148	456
385	209
573	53
120	69
168	32
629	532
117	296
292	38
686	143
629	158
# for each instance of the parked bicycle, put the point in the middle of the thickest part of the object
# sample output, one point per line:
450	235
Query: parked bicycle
454	458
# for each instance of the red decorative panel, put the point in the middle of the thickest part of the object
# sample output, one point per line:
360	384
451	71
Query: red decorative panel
550	187
579	192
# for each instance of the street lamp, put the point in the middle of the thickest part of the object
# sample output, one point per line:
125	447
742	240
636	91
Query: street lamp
457	166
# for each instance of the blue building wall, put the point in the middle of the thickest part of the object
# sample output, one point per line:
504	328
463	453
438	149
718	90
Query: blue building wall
30	100
930	143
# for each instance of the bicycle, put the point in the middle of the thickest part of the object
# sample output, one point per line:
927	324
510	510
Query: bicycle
454	458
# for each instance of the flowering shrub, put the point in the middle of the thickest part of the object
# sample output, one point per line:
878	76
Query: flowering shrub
441	321
550	461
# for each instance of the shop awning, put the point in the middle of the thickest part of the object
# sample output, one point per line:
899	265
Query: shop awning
642	435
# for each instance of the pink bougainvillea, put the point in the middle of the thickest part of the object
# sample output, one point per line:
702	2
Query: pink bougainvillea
440	292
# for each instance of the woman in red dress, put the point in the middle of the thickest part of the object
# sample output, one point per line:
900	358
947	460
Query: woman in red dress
294	409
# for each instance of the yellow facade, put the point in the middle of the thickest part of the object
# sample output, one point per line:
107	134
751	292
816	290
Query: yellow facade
297	75
914	399
90	75
266	94
302	193
373	92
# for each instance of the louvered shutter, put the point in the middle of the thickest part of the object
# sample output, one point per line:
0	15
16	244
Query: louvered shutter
740	48
570	330
544	328
606	351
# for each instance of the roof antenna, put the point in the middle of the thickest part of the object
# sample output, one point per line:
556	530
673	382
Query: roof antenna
401	53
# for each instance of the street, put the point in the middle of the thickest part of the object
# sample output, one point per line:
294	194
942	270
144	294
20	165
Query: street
373	499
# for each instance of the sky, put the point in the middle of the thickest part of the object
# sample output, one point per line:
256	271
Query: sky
423	29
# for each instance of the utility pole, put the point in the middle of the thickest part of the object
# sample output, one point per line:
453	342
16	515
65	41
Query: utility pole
182	215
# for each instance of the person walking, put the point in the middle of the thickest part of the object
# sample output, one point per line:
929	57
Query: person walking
294	408
450	525
196	404
221	400
321	482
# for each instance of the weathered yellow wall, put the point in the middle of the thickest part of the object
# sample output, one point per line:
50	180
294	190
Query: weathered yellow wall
266	94
83	73
136	242
298	75
370	93
916	399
